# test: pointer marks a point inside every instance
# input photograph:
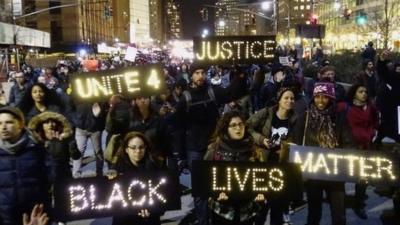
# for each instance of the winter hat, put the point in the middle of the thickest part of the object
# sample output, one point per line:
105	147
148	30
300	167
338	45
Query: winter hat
197	66
276	68
324	88
17	113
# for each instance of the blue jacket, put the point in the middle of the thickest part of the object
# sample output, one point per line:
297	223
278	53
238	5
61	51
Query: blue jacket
23	179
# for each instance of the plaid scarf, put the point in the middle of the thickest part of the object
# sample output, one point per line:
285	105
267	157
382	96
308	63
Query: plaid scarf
321	121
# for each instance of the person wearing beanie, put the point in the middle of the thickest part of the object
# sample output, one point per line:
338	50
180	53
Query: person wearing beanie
269	91
269	127
22	159
323	126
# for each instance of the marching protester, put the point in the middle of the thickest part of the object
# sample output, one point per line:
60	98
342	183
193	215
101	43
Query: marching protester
232	142
362	117
269	127
196	115
55	132
133	156
90	123
369	79
37	99
24	171
324	127
18	90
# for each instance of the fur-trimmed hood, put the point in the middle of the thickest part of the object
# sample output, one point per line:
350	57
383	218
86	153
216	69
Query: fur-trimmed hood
38	120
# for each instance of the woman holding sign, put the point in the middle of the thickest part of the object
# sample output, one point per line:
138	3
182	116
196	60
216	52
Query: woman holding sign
324	127
268	128
232	142
133	156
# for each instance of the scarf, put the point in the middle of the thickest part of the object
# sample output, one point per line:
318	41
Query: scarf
321	122
233	150
14	148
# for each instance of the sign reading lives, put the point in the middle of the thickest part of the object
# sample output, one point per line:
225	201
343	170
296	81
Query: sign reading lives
344	164
245	179
77	199
238	49
130	82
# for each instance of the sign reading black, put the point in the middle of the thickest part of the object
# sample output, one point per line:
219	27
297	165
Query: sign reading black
85	198
234	49
130	82
345	165
245	179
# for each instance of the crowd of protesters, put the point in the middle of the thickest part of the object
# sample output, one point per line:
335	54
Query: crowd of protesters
217	112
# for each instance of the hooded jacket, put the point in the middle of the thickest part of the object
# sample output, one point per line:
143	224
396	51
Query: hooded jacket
60	150
24	176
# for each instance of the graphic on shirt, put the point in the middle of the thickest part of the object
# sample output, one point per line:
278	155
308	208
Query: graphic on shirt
277	134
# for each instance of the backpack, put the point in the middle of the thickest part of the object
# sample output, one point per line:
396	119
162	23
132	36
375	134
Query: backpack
189	103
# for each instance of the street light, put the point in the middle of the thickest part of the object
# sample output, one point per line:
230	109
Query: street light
265	6
221	23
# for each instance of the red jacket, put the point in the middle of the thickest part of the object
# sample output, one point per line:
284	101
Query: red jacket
363	121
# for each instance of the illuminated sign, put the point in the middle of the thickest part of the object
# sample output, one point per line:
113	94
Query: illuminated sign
344	164
243	179
238	49
130	82
99	197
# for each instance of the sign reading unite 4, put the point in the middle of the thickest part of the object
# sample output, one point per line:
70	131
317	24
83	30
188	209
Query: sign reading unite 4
239	49
345	165
126	195
130	82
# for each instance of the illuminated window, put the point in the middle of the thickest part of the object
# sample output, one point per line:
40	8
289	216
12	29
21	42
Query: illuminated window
302	7
308	7
296	8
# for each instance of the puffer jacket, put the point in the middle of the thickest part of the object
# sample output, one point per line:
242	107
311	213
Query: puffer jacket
23	178
60	151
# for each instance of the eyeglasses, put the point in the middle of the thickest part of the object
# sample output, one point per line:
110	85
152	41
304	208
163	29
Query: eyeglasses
140	147
234	125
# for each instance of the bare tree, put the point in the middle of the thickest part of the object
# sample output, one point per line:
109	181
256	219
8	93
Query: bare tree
382	17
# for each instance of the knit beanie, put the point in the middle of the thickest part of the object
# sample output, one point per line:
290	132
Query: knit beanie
324	88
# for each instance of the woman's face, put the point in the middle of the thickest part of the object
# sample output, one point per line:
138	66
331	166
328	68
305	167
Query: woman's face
236	128
49	126
37	94
321	101
361	94
142	102
287	100
136	150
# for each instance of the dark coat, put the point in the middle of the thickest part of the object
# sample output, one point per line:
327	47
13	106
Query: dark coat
23	180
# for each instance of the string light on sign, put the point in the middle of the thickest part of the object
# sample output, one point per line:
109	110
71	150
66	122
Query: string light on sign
237	176
78	194
276	182
257	180
131	186
153	191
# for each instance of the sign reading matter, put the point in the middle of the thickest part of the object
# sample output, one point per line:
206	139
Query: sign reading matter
238	49
344	164
244	179
77	199
130	82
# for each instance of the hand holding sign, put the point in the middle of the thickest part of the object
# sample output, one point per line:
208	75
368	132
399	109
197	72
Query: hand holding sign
37	216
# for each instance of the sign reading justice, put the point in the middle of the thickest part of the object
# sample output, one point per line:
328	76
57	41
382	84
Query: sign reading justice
130	81
127	195
243	179
344	164
239	49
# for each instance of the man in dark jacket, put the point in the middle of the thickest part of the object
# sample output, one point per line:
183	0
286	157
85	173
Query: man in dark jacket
197	115
18	90
23	170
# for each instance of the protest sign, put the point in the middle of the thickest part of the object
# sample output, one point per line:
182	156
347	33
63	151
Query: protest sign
85	198
347	165
234	49
245	179
129	82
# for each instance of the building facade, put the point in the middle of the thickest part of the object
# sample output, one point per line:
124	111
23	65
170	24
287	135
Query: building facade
352	25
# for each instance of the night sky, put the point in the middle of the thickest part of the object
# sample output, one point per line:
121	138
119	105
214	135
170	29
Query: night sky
192	23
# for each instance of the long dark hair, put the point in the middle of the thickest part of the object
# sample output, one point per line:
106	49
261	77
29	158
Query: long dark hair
353	90
123	157
50	98
221	129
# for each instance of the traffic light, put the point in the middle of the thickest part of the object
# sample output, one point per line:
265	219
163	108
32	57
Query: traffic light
204	14
361	19
314	19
